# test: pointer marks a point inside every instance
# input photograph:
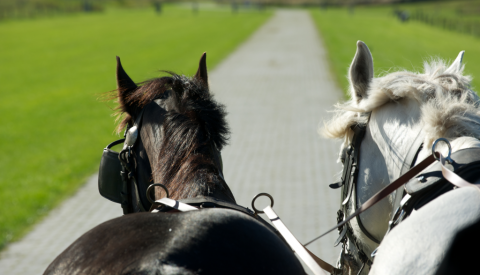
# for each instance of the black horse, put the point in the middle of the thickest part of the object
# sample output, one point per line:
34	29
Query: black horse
182	132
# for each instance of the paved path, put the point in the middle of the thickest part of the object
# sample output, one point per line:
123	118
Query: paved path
58	230
276	87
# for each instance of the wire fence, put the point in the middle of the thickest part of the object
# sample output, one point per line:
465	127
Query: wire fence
15	9
471	26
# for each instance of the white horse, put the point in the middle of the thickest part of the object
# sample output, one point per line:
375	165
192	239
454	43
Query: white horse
402	110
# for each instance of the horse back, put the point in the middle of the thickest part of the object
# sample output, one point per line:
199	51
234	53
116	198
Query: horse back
432	229
209	241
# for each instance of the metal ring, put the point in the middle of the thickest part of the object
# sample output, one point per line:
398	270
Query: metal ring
449	148
256	197
151	187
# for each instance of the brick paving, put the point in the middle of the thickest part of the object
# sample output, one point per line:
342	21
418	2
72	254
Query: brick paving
277	88
63	225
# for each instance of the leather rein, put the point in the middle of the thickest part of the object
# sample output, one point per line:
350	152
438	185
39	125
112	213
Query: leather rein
350	173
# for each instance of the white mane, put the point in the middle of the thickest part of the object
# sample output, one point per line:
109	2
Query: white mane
449	108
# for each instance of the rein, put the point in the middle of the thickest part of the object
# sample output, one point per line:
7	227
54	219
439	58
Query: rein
384	192
449	175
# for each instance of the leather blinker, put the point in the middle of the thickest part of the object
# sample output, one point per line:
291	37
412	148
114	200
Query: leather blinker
109	178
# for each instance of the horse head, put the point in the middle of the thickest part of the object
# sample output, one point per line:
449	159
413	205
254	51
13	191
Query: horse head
403	113
183	129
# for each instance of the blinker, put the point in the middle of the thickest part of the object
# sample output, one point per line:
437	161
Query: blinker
109	179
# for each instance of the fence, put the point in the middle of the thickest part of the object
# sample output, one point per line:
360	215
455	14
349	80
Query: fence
39	8
471	27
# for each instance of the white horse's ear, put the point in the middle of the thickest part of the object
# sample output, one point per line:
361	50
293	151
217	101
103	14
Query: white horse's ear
361	72
456	66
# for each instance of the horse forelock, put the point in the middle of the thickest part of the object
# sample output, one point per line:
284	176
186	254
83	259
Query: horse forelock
448	105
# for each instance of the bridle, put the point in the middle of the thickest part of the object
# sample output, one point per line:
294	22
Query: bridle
348	182
117	179
462	162
118	172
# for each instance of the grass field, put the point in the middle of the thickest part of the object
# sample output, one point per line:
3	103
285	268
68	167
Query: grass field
54	70
394	45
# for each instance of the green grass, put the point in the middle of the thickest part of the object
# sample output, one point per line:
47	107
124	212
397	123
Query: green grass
54	70
394	45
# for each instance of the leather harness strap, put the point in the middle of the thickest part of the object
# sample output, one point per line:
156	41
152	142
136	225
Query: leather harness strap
449	175
452	177
408	163
180	206
324	265
201	202
383	193
187	205
299	249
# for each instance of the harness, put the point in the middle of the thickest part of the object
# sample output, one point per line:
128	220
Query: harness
120	168
431	183
202	202
411	194
347	184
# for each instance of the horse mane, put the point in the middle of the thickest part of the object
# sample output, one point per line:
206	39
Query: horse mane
192	129
449	108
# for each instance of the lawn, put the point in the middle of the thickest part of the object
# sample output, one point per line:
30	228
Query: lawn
53	71
394	45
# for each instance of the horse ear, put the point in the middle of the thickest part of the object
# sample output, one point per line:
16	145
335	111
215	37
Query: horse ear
361	72
202	69
125	85
456	66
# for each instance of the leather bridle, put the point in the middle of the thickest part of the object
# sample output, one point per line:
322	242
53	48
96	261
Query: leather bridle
349	181
408	172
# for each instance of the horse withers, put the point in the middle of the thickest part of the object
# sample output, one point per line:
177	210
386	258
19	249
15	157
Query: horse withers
388	126
176	131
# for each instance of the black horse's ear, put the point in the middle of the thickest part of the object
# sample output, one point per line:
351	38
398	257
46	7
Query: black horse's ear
125	85
124	82
202	69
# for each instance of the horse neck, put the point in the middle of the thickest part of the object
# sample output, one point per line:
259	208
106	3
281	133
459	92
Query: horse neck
197	173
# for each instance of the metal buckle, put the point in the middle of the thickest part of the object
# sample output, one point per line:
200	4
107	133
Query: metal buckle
449	149
256	197
152	187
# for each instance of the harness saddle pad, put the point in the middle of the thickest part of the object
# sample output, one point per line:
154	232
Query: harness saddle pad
466	163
